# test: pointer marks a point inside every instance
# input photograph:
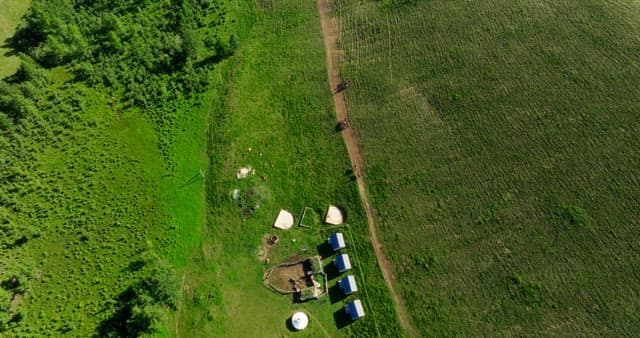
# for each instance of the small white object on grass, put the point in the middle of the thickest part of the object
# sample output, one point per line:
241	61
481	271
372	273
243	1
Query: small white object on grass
244	172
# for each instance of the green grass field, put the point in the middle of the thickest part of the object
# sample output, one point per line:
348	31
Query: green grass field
274	112
11	11
99	190
501	146
500	141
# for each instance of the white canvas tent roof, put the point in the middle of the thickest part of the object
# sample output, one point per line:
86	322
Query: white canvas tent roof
299	320
334	216
284	220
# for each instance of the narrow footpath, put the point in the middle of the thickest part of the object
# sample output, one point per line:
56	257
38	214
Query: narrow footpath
330	29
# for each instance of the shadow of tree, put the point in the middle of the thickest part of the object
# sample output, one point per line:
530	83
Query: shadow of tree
139	308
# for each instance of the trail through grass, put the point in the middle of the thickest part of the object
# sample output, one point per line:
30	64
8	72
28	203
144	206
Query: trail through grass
331	29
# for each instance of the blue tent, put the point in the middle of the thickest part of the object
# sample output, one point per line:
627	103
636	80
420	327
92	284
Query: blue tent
337	241
348	285
355	309
343	262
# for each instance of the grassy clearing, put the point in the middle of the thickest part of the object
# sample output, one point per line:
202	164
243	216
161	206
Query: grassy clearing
274	112
11	11
500	143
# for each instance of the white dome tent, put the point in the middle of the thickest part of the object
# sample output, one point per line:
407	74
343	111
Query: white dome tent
299	321
334	216
284	220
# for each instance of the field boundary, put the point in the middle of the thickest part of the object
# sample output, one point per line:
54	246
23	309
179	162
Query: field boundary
330	29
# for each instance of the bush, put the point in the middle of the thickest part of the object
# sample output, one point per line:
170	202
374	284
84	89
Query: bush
140	307
575	215
144	319
163	286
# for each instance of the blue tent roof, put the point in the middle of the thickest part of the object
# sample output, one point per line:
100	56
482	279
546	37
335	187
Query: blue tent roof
343	262
337	241
348	285
355	309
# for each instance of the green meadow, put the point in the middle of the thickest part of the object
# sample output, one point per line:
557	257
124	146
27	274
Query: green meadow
500	141
11	11
119	147
274	113
500	152
100	208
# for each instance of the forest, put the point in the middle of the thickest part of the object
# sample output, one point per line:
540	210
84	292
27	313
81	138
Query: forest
84	65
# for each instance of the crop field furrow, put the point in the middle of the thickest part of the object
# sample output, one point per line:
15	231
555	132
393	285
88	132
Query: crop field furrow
499	141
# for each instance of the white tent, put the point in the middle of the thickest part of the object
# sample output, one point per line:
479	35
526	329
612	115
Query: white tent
299	320
284	220
334	216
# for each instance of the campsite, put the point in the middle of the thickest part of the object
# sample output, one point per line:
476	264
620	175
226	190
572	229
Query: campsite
327	168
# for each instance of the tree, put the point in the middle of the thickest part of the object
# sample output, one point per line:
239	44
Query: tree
144	319
163	286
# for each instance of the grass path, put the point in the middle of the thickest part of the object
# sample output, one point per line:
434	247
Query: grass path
179	306
330	29
326	334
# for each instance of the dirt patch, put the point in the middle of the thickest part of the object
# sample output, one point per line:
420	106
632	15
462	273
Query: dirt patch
293	259
331	28
301	276
268	241
15	301
286	277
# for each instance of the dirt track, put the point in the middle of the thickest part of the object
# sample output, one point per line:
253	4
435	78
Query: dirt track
330	28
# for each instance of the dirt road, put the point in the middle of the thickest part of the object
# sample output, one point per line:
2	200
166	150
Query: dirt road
331	28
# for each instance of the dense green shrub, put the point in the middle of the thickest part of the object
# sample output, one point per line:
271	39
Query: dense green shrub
140	48
140	308
575	215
